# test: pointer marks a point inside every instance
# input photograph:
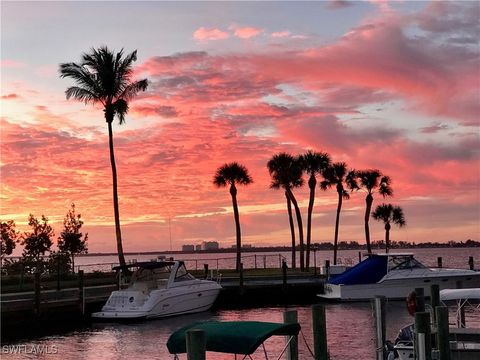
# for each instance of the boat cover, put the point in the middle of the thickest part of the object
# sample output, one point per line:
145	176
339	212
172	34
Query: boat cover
145	265
231	337
369	271
459	294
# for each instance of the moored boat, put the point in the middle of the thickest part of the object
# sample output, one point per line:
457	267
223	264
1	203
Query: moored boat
159	289
393	275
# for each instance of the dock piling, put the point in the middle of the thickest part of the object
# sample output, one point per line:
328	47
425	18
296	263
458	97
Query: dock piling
319	324
196	344
439	261
443	344
291	317
422	326
434	299
37	293
81	291
420	292
381	327
470	263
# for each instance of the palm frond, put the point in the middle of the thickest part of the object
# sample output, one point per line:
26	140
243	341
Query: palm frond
81	94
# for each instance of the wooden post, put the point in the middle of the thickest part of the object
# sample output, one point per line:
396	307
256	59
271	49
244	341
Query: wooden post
291	317
422	326
380	315
37	293
359	256
196	344
439	261
264	261
205	269
319	325
327	269
58	273
443	344
420	292
470	263
240	278
284	275
81	298
434	299
255	259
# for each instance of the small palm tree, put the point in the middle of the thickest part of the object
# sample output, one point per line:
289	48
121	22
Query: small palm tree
337	175
389	214
313	164
371	181
103	77
286	173
231	174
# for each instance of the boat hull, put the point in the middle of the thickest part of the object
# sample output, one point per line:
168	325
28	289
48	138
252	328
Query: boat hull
396	289
162	303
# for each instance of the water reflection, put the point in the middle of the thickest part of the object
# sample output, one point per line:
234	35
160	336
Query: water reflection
350	328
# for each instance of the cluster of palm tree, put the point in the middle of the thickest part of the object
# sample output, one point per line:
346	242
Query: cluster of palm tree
104	77
287	173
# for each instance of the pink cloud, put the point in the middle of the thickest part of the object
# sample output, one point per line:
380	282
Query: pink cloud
246	32
210	34
10	96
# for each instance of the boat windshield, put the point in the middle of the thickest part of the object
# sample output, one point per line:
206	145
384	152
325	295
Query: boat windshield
143	274
182	274
403	262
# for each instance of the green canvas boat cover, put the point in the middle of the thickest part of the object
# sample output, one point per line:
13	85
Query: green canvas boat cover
231	337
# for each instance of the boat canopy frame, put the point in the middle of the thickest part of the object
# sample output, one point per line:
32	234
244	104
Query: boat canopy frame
232	337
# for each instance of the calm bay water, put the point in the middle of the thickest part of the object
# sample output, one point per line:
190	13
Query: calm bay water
350	326
452	257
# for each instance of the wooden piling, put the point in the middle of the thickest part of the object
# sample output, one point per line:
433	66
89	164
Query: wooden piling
291	317
327	269
439	261
434	299
443	344
196	344
284	275
461	312
470	263
319	332
420	292
205	269
240	278
81	293
381	328
37	293
422	326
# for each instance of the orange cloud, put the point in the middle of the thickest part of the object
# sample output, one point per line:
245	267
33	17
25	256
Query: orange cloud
209	34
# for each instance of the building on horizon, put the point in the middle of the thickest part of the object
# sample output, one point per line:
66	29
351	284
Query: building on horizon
188	248
210	245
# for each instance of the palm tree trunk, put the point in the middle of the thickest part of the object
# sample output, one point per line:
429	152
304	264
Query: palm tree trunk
118	233
300	229
233	192
337	224
369	202
387	237
292	231
312	183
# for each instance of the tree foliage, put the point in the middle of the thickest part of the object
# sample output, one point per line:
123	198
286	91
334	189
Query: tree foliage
71	240
37	242
9	237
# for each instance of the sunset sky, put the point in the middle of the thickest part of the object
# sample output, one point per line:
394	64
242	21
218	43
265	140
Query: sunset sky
376	84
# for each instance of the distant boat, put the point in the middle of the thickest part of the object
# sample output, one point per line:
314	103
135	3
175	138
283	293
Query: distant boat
393	275
159	289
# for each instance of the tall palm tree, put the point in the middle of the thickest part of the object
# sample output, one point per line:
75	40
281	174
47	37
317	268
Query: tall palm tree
103	77
286	173
371	181
337	175
389	214
231	174
292	231
313	164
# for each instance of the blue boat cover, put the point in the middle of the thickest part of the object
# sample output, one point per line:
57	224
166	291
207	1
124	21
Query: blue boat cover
369	271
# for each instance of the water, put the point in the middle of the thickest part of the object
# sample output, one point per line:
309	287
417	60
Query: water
452	257
350	326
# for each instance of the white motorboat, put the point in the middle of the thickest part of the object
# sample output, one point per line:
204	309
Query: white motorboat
159	289
393	275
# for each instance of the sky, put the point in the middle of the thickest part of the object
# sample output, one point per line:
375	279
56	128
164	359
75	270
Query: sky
393	86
